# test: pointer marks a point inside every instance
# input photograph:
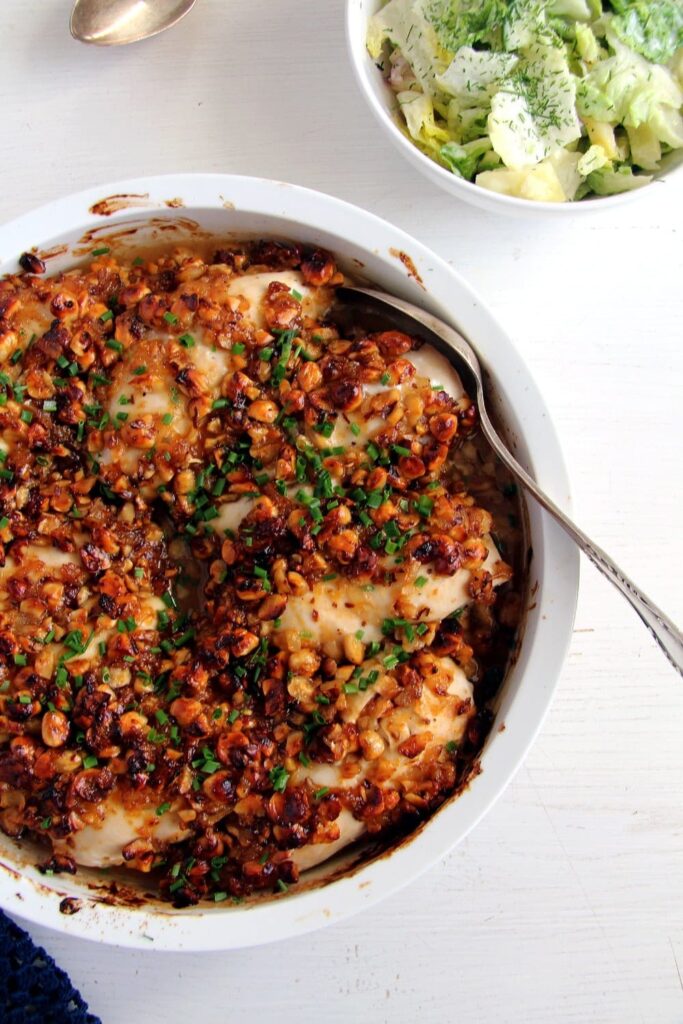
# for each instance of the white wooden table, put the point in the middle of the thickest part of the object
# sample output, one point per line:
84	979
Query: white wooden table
566	903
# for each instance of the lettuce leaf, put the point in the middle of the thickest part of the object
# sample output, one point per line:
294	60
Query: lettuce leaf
403	24
534	112
473	75
496	24
653	28
607	182
626	89
464	160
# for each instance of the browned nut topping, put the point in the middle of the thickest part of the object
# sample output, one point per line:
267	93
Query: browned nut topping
371	744
354	650
272	607
263	410
305	662
228	526
309	377
444	426
318	268
31	263
54	729
185	711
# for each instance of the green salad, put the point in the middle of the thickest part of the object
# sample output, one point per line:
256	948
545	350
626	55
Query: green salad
550	100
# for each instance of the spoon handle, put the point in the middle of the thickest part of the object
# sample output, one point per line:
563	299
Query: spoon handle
669	638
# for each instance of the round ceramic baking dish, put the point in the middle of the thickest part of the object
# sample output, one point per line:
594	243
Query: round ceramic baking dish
174	209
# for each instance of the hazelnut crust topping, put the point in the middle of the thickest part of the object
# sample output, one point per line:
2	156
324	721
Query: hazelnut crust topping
202	484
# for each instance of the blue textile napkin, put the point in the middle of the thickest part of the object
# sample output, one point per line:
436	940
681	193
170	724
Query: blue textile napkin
33	990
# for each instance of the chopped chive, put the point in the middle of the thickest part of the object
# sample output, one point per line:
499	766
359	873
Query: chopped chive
424	505
279	777
326	428
170	318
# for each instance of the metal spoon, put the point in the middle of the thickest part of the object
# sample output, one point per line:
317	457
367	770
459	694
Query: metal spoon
418	323
116	22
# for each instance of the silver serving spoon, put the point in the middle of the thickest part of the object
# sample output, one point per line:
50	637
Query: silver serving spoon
417	322
116	22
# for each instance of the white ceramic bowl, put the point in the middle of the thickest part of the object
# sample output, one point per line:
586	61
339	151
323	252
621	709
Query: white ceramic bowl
382	102
220	204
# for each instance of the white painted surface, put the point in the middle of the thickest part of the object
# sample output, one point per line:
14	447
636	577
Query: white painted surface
566	903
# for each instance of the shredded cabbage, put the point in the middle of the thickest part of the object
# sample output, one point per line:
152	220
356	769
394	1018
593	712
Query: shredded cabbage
544	99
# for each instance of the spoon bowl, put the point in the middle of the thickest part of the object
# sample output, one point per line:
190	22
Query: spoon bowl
118	22
417	322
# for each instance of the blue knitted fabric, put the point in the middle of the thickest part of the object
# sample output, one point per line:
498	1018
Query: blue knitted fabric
33	990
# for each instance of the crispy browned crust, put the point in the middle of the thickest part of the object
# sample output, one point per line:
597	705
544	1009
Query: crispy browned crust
198	702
